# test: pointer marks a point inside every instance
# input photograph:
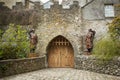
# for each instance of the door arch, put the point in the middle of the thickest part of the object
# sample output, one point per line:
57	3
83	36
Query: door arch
60	53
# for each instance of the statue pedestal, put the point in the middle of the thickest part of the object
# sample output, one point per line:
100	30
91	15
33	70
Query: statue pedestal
31	55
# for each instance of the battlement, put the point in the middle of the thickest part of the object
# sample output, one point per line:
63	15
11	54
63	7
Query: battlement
38	5
18	6
2	4
3	7
75	5
19	14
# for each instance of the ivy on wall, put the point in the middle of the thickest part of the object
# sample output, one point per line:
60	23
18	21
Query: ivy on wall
14	43
109	47
114	28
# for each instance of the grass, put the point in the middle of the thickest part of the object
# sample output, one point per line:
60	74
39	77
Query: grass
106	49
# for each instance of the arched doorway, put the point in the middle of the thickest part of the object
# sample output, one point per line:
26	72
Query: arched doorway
60	53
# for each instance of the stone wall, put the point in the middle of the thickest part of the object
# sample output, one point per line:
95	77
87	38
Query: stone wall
56	21
17	66
10	3
22	17
90	63
72	23
95	9
117	9
73	32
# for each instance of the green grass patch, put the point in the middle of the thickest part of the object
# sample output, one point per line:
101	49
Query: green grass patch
106	49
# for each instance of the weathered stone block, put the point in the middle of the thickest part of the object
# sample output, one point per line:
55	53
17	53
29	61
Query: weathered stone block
17	66
96	65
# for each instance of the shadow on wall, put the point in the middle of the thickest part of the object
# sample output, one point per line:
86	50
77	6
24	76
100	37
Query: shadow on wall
3	8
19	15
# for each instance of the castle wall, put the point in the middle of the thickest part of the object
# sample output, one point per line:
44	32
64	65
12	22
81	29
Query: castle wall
18	66
72	32
72	23
81	2
57	21
10	3
95	10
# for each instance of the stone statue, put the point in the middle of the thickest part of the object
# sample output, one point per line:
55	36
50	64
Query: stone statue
89	40
33	40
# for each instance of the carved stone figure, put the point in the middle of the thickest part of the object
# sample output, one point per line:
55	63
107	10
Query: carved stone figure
33	40
89	40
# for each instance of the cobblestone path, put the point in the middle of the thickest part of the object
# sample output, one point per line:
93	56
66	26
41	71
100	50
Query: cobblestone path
61	74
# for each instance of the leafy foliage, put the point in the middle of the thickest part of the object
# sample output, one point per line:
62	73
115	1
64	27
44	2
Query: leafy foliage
1	32
114	28
14	43
106	48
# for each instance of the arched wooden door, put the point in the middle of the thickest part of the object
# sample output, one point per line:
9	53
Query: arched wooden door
60	53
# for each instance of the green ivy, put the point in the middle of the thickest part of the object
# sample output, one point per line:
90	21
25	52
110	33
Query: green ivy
1	32
15	43
114	28
107	48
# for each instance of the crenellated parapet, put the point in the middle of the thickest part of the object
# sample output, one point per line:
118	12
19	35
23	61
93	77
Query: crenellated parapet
19	14
2	4
3	7
75	4
18	6
38	5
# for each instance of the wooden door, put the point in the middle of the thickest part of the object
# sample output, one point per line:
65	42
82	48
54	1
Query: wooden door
60	53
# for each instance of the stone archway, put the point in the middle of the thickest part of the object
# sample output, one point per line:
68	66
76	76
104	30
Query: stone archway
60	53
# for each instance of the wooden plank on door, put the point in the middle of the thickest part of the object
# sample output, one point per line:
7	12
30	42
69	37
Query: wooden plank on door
61	53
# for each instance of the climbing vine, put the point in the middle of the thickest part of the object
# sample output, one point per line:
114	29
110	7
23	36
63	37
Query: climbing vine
14	43
109	47
114	28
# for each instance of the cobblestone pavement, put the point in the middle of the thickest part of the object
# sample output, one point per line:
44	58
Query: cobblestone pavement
61	74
